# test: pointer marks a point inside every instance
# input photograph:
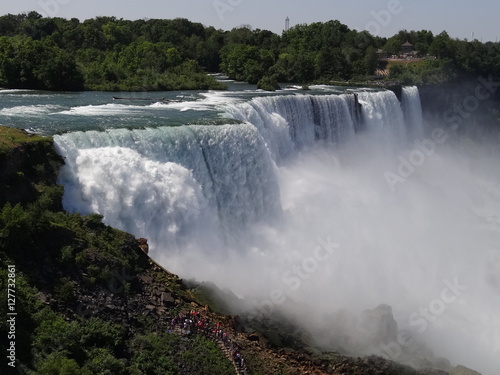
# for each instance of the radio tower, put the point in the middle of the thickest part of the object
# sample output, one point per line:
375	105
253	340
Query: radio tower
287	24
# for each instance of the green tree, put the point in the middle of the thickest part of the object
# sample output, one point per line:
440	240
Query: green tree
370	60
237	58
33	64
103	362
58	71
58	364
332	64
10	24
442	47
393	45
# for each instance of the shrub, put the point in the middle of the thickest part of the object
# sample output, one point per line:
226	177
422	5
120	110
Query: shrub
58	364
65	291
268	84
102	362
164	354
54	335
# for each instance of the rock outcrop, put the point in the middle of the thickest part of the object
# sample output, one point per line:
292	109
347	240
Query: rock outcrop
143	245
380	325
462	370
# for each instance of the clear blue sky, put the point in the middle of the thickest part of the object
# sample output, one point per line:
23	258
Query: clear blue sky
460	18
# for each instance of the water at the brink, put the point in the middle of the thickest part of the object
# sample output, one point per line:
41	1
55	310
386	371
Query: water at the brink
299	202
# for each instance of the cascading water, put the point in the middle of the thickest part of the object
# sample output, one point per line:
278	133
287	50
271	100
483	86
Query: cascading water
166	184
289	123
384	117
412	110
292	209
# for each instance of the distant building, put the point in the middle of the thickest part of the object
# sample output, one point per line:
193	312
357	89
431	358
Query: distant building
407	48
381	54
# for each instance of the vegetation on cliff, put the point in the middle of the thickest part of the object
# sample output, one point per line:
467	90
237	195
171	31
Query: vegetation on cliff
450	60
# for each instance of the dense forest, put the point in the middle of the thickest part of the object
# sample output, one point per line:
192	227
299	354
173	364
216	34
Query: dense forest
112	54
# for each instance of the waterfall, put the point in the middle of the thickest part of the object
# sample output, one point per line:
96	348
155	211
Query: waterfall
412	110
162	182
165	183
384	117
292	206
293	122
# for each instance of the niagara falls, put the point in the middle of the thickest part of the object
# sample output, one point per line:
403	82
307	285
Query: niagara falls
324	205
254	188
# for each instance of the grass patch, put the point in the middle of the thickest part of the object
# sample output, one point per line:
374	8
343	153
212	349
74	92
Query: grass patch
11	138
405	63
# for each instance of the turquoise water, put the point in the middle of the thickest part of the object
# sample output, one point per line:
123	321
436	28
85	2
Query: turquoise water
52	113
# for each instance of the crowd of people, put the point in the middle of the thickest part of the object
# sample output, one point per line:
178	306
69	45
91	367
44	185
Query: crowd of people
194	323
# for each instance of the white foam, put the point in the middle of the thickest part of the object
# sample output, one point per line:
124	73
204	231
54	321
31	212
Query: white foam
209	101
15	91
30	110
144	186
292	88
333	89
100	110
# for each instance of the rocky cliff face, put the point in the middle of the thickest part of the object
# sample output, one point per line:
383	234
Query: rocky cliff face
472	106
27	162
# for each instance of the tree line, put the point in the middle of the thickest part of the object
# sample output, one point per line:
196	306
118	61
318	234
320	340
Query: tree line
106	53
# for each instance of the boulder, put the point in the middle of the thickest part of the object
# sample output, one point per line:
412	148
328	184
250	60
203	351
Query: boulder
254	337
462	370
379	325
167	299
146	279
143	245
